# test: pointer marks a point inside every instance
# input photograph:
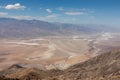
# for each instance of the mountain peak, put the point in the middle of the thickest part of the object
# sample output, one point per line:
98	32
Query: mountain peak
15	66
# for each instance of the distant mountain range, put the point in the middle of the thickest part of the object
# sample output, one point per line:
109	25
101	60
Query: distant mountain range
13	28
103	67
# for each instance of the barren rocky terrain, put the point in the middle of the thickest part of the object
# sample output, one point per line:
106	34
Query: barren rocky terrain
102	67
55	52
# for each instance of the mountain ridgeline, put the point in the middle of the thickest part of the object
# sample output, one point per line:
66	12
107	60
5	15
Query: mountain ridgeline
13	28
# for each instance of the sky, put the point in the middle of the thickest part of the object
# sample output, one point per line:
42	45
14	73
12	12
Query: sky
65	11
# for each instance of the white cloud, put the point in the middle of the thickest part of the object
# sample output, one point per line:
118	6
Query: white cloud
75	13
23	17
49	10
34	17
27	17
3	13
51	16
15	6
60	8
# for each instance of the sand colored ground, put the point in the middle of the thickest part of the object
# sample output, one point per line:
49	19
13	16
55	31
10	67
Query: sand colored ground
54	52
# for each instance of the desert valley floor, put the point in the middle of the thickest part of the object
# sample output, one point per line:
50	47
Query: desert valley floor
55	51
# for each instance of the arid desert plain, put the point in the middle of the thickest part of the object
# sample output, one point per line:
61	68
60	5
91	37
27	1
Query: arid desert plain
55	51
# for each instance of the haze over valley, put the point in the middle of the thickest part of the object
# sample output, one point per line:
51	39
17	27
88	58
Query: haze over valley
47	46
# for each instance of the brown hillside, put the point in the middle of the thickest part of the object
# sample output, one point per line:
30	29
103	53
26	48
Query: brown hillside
102	67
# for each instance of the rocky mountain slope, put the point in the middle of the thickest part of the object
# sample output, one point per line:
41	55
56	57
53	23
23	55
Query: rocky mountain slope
13	28
103	67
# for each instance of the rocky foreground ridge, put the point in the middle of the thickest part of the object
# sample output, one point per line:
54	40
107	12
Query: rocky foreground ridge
103	67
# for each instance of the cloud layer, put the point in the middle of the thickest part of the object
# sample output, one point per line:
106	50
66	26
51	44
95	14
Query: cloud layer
3	13
75	13
15	6
49	10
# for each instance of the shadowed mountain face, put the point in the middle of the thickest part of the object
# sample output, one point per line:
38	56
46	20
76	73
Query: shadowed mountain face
102	67
12	28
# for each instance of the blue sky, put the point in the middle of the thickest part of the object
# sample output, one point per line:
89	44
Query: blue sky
66	11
